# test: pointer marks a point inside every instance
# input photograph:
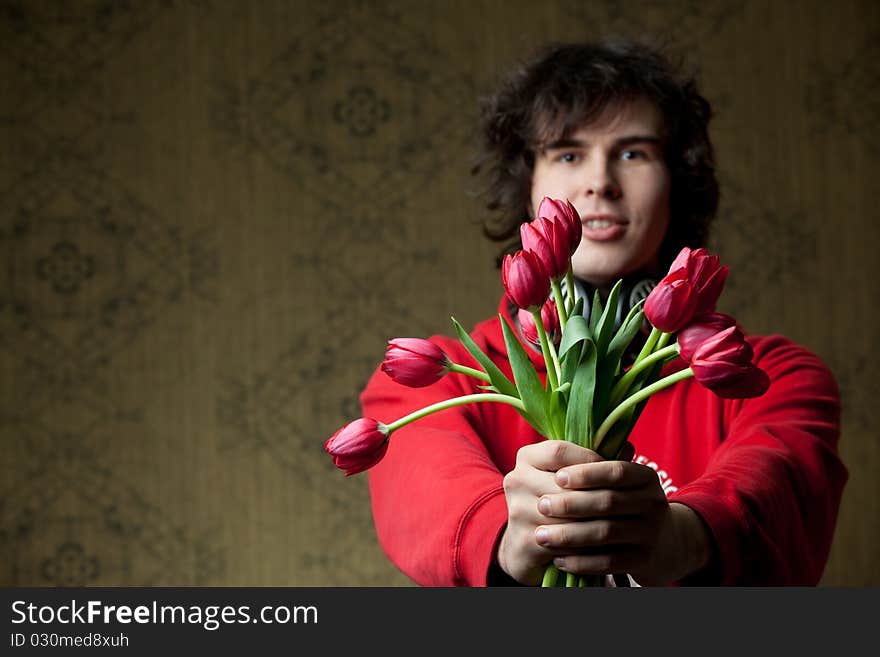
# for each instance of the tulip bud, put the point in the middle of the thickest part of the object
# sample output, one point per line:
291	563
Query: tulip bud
671	304
708	279
550	319
754	382
358	446
549	241
414	362
701	328
525	280
723	363
681	260
706	275
567	215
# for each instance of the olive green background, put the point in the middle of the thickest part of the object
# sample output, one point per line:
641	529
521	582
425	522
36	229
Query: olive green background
214	213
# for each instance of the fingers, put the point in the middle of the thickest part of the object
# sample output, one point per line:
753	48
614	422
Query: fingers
594	547
605	474
526	481
590	534
599	503
621	559
550	455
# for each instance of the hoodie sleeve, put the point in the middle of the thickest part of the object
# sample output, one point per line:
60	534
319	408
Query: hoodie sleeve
771	491
437	496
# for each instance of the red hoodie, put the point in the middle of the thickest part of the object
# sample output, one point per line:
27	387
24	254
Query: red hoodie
763	473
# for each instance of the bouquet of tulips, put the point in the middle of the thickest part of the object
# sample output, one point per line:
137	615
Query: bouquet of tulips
588	397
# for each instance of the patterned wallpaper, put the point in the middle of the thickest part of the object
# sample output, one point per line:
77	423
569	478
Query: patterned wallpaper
215	212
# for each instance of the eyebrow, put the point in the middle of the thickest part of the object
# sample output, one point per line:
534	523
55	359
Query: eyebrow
568	142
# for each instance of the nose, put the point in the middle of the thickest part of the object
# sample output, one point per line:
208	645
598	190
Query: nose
601	181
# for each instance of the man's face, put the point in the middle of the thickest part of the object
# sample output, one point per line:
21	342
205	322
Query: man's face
613	171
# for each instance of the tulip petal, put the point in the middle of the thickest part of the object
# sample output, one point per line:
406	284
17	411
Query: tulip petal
358	445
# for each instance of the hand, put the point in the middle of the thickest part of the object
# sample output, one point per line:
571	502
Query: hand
613	517
595	517
519	553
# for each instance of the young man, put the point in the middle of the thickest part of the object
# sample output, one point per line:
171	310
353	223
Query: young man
719	491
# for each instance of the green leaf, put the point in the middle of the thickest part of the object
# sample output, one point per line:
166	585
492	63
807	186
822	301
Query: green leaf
531	391
608	364
625	326
557	414
575	334
606	324
579	416
578	308
568	366
501	383
614	439
576	330
627	332
595	313
606	375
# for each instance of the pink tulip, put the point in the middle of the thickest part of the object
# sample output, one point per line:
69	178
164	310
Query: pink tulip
525	280
752	383
556	210
671	304
701	328
723	364
358	446
414	362
548	239
706	275
549	318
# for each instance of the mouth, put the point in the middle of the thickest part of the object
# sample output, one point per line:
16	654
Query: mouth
603	227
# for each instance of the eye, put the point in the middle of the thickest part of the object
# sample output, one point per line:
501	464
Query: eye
568	157
632	154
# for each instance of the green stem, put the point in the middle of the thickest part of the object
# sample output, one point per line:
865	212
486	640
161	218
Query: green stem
663	341
555	358
640	365
470	371
550	359
560	304
641	395
648	347
455	401
551	575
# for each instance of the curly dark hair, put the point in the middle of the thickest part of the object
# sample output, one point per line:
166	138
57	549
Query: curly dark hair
565	86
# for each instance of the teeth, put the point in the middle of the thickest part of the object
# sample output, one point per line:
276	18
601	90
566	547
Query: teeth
599	223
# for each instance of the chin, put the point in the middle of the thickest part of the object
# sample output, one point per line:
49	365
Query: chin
597	278
605	272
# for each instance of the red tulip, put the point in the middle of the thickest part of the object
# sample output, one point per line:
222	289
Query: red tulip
754	382
706	275
671	304
525	280
548	239
701	328
358	446
549	318
556	210
723	364
414	362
